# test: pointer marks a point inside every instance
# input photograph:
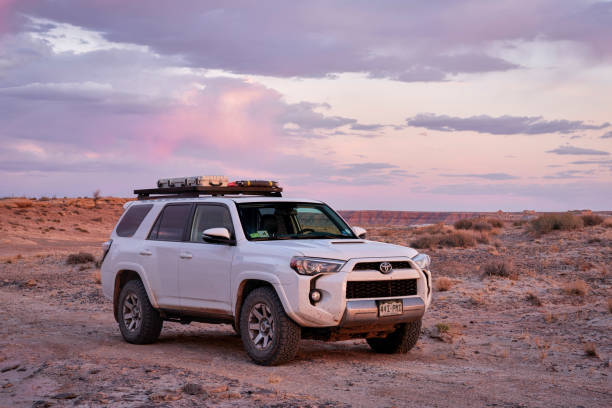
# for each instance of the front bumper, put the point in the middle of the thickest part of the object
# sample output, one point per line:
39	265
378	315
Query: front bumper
365	312
335	310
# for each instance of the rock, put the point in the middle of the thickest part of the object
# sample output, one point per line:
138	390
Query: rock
9	367
193	389
219	389
41	404
31	283
65	395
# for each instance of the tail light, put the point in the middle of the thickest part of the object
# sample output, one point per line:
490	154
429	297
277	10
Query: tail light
105	248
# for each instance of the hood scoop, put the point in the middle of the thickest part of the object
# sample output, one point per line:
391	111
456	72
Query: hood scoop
346	241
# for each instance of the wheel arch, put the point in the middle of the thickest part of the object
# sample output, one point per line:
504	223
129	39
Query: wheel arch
122	277
246	287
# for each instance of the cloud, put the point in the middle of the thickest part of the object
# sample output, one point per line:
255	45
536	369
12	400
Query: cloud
603	162
486	176
402	42
502	125
573	150
569	174
607	135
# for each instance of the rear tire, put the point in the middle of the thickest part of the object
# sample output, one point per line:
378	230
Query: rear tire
269	336
404	338
139	322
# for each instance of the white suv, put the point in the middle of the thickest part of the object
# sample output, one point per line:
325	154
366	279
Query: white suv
277	269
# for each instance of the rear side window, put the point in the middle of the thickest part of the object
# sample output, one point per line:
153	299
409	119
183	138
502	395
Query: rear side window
132	219
170	225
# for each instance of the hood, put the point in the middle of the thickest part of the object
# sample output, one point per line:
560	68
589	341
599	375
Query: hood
342	249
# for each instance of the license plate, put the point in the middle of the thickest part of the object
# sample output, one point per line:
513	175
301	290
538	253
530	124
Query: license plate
390	308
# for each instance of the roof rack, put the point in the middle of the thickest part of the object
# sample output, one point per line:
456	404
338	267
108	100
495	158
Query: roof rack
196	191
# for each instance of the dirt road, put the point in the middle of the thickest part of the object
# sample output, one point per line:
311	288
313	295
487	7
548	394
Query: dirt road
69	351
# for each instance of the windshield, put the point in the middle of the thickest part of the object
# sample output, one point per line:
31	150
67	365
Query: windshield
284	220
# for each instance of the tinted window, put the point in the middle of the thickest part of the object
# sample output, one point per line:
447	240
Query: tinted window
132	219
210	216
170	225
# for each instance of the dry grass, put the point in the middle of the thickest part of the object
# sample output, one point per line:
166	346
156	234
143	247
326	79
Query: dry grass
452	239
443	284
502	268
556	222
577	288
80	258
607	223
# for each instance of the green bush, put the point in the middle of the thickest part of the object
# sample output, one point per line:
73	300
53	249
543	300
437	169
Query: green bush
556	222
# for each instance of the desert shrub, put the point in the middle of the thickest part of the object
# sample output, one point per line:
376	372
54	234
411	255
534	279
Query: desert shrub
432	229
607	222
482	238
534	299
556	221
43	198
80	258
463	224
519	223
501	268
577	288
495	222
457	239
443	284
23	203
591	220
425	242
481	226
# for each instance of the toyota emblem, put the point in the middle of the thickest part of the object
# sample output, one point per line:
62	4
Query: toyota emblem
385	267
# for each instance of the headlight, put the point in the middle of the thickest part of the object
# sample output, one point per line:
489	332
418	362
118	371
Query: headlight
422	260
314	266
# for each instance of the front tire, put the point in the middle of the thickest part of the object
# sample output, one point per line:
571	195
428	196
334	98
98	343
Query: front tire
139	322
404	338
269	336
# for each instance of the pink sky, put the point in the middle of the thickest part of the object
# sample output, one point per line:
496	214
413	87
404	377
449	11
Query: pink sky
458	105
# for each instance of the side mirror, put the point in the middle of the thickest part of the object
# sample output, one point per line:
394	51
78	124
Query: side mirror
218	235
360	232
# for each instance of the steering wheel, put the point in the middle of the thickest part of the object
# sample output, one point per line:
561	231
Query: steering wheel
305	230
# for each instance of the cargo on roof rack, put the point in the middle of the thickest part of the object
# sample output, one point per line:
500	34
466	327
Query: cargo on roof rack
196	191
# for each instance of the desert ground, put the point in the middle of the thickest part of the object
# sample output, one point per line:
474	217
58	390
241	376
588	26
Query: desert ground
519	319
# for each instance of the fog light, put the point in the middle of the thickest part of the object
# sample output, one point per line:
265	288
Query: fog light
315	295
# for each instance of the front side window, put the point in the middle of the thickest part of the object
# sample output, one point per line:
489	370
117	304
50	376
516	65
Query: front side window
210	216
171	223
286	220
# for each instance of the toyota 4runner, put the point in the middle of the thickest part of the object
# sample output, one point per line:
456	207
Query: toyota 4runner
277	269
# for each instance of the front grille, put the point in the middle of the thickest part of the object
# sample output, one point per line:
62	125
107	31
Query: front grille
378	289
374	266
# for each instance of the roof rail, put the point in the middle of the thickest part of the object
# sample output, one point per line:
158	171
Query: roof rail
196	191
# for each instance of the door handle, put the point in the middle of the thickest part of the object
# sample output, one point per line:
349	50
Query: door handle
186	255
146	252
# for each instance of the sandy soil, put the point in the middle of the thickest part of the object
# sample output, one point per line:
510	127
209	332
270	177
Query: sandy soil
485	342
